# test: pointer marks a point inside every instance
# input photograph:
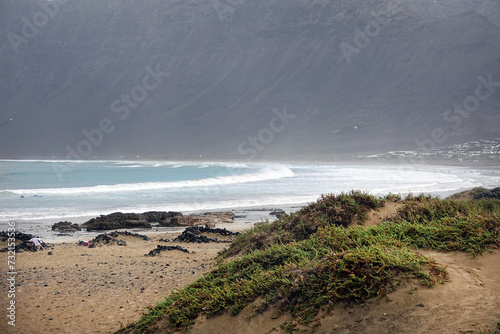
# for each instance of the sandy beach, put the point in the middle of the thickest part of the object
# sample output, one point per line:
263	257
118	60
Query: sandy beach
97	290
75	288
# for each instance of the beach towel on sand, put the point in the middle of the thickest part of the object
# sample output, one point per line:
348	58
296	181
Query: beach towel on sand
36	242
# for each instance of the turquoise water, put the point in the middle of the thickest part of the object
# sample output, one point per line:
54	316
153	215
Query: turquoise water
87	189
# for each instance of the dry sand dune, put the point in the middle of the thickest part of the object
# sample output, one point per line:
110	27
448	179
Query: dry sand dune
469	300
468	303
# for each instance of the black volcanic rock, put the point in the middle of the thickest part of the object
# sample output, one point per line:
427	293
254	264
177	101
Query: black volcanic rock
493	193
66	227
117	220
158	216
208	218
160	248
24	243
277	212
193	234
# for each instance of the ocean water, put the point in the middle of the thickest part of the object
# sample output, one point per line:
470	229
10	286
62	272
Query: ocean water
78	190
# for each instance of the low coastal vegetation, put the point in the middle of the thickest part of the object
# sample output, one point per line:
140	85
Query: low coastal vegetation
322	256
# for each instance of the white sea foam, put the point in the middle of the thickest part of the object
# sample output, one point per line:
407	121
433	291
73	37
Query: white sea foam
220	186
59	214
264	174
172	164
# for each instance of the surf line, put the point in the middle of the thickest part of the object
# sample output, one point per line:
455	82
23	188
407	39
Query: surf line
220	179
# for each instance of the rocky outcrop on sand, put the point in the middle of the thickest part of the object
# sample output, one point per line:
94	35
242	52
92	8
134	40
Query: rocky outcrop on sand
208	219
161	217
119	220
22	242
160	248
195	234
66	226
4	236
112	238
278	213
115	234
107	240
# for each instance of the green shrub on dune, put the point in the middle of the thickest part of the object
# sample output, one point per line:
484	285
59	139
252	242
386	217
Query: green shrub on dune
320	256
446	225
341	210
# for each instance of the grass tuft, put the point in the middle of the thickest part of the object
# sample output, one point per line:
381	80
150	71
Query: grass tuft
331	210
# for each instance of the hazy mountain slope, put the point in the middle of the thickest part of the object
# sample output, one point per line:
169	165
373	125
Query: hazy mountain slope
435	9
225	66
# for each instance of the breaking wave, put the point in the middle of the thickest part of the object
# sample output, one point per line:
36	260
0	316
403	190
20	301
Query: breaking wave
225	178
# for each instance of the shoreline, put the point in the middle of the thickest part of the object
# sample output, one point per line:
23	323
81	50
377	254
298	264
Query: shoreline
42	226
245	218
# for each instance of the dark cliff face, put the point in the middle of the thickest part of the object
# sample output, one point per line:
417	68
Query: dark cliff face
243	79
437	9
